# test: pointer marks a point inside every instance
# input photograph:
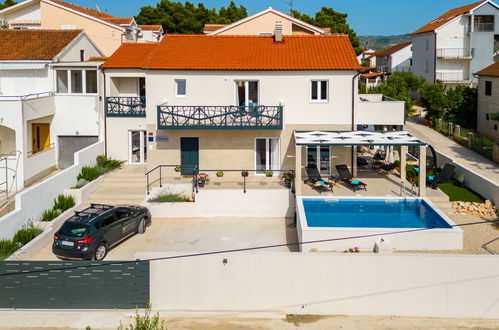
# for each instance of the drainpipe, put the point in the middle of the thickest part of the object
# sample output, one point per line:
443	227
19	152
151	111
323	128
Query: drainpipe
105	112
435	57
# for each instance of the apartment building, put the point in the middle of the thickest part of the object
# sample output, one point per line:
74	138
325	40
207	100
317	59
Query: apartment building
107	31
488	101
397	58
49	87
460	42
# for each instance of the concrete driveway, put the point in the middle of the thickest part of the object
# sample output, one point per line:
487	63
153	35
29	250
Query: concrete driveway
200	235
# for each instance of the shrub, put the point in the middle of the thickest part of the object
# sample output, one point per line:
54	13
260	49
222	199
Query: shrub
24	235
171	198
145	322
89	173
81	183
108	163
49	215
7	247
63	203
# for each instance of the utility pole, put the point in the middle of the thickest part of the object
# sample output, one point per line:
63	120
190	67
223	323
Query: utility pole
290	4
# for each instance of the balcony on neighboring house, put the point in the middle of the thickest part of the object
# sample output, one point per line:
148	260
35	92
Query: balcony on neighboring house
220	117
125	106
377	109
455	53
452	77
484	23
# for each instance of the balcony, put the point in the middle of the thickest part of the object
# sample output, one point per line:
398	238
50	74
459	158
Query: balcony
484	27
121	106
377	109
220	117
455	53
452	77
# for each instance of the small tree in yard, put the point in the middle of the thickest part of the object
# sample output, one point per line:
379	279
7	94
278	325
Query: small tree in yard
462	106
433	98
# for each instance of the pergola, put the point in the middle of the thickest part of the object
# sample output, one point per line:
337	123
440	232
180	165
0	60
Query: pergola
362	138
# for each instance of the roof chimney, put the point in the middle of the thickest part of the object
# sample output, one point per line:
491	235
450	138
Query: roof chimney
278	31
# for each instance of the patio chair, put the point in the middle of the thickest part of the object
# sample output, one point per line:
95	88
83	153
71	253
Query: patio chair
316	180
388	167
346	177
362	162
446	174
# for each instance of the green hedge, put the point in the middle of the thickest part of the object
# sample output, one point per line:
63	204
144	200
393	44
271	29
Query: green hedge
22	237
103	165
61	204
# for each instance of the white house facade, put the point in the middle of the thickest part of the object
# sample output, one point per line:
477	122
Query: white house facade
48	101
234	102
488	101
455	45
397	58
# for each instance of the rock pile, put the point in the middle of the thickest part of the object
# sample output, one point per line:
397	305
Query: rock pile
484	209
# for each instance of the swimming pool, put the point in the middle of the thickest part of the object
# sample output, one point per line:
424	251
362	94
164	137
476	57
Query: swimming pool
372	213
393	223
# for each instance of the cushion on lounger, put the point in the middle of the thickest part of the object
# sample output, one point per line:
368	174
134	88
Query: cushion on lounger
355	182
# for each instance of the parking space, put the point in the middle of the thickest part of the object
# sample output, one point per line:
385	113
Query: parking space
200	235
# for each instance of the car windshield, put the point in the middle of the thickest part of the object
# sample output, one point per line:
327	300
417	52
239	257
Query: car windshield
74	229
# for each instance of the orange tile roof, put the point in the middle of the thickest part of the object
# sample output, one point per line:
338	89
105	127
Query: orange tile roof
448	16
119	20
490	71
213	27
34	44
372	74
391	50
151	27
87	11
367	68
224	52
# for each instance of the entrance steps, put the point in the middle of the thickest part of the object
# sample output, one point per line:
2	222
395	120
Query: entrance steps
124	186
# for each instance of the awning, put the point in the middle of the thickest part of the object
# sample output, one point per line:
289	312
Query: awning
22	66
356	138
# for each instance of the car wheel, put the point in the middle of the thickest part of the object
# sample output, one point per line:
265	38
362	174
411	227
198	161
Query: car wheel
142	226
100	252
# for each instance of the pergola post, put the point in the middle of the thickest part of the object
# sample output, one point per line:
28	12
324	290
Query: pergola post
298	178
422	171
403	162
354	161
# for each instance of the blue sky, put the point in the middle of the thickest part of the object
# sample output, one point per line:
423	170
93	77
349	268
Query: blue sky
366	17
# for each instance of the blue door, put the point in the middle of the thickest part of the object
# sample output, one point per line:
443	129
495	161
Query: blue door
189	155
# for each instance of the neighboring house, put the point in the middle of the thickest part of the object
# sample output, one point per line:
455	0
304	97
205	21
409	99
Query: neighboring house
488	101
151	33
234	102
263	23
370	77
462	41
363	57
397	58
108	32
49	84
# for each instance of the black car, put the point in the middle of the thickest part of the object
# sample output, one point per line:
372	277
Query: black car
89	234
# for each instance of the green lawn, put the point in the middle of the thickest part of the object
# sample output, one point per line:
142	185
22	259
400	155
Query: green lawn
458	194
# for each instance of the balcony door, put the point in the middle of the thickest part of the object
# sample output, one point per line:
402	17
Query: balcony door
137	147
247	93
267	154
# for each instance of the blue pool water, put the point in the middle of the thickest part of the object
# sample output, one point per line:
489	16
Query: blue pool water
372	213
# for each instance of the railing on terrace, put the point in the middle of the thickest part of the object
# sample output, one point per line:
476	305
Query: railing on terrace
125	106
455	53
220	117
194	171
451	77
484	27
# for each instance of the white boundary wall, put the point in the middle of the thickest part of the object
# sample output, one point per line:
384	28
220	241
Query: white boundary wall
472	180
451	286
31	202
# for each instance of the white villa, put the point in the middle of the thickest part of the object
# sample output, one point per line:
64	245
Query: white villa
235	102
49	85
457	44
397	58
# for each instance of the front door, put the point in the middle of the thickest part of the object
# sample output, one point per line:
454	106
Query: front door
138	147
41	137
189	155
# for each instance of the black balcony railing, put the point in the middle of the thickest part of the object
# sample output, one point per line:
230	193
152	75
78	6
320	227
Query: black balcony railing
123	106
219	117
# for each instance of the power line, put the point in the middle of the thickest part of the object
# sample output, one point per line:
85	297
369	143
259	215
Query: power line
201	254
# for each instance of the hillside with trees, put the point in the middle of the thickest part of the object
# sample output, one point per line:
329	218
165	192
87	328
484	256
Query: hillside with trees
178	17
382	42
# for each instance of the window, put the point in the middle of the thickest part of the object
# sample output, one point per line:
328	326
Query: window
62	81
486	116
267	154
180	88
427	67
319	91
427	44
246	92
91	81
484	23
76	81
107	220
488	88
